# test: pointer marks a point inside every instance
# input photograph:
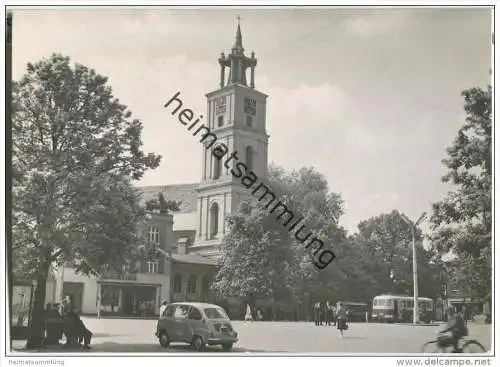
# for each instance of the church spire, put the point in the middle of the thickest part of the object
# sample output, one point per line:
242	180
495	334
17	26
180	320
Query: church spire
238	44
237	63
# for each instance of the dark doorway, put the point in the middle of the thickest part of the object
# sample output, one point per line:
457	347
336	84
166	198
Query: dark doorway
74	291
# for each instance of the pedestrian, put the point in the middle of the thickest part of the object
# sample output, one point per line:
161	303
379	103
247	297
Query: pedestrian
259	315
163	307
317	313
248	314
465	314
79	331
53	324
334	315
328	313
68	323
341	319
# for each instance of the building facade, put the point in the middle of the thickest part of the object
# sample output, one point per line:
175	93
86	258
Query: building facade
188	241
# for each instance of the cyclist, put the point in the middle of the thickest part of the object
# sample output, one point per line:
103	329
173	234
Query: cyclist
456	326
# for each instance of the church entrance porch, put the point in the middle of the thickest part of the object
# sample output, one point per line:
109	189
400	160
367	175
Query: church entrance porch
133	300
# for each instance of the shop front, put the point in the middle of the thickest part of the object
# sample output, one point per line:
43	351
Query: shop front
471	306
136	300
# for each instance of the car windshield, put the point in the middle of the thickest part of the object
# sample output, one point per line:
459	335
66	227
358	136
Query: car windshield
214	313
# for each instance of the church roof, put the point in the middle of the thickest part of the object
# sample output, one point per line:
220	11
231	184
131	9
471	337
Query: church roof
193	259
185	193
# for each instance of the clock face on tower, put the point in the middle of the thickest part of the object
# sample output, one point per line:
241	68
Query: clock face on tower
250	106
220	105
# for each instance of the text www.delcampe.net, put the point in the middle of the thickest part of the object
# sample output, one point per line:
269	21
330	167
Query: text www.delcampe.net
464	361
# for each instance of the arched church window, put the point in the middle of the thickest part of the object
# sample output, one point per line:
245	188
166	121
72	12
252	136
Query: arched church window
249	121
249	157
214	220
217	167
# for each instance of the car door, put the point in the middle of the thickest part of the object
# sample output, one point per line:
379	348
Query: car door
166	321
180	326
197	324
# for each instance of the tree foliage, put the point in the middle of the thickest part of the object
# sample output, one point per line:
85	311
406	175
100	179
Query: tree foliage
256	256
76	150
262	259
387	239
462	220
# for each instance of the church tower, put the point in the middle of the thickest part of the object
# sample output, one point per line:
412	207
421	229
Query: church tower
236	114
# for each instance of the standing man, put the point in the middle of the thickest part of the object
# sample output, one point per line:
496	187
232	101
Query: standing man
334	315
163	307
317	313
328	314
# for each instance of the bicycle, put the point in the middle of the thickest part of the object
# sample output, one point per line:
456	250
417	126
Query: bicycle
444	345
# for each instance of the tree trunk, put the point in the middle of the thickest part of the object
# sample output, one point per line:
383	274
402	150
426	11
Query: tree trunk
37	325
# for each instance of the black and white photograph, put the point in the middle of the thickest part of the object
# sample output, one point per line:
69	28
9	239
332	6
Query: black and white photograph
249	181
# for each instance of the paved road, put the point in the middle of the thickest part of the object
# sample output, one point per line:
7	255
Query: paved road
125	335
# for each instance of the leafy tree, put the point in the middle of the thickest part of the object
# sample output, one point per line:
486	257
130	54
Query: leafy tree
462	220
75	152
255	254
257	234
306	193
387	240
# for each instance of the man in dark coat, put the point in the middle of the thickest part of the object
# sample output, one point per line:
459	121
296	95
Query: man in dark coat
79	331
457	327
53	323
317	313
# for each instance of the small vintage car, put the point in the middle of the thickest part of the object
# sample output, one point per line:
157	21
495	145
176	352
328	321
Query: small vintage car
198	324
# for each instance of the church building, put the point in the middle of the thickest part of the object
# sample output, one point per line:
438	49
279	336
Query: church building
187	242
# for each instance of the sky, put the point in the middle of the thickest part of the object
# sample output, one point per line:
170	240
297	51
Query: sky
369	97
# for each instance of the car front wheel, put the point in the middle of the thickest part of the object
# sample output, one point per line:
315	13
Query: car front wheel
198	343
164	340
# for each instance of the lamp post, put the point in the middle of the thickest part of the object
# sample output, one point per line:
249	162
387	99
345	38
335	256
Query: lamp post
413	226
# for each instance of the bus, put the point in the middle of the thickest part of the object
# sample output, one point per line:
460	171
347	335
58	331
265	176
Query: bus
392	308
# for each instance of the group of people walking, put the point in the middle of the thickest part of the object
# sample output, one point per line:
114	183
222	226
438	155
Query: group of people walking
327	313
64	320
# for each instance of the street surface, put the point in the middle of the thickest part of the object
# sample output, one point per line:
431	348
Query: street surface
137	336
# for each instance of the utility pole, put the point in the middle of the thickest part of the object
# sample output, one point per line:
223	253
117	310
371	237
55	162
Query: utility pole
413	226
